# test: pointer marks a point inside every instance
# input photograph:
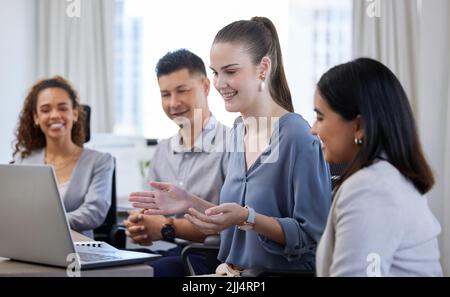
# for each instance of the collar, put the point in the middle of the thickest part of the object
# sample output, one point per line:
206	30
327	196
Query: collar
203	143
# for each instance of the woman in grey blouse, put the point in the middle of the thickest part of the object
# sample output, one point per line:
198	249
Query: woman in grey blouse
380	223
51	131
277	193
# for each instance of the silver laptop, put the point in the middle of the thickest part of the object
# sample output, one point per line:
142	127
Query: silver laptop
34	226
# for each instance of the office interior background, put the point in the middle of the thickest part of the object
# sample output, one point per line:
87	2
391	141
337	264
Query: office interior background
108	49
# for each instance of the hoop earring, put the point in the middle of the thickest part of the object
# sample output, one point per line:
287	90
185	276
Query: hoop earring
358	142
262	84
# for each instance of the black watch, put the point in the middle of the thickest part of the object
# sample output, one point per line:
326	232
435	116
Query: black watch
168	233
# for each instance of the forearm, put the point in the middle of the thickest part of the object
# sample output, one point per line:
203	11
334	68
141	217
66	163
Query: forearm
270	228
186	230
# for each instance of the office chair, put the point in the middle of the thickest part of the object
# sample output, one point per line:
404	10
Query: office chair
106	232
87	123
210	247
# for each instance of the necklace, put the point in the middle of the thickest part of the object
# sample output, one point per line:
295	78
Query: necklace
74	155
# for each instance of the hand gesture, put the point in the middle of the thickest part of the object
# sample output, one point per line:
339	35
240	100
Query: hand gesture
144	229
167	199
218	218
136	230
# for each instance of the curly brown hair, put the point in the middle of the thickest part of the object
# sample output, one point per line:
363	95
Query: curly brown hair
28	136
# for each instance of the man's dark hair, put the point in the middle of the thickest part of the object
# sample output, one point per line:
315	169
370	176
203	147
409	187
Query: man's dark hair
180	59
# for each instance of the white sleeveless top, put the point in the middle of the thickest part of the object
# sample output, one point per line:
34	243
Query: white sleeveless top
62	188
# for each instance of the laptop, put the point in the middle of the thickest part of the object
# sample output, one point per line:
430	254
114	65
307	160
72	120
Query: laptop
34	227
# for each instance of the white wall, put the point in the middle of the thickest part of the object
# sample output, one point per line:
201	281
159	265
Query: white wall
17	65
129	153
433	109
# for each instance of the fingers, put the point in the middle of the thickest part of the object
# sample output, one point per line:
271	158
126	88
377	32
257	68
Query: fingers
203	226
222	208
142	199
195	213
144	205
138	234
160	186
154	212
216	210
215	219
126	223
136	229
135	218
142	194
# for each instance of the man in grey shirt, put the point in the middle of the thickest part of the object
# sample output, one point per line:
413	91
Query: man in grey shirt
193	159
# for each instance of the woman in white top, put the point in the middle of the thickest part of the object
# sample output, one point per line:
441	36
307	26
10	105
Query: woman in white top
51	131
379	223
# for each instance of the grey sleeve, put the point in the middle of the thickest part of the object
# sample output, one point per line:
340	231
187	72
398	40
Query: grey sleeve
311	190
97	201
17	159
368	230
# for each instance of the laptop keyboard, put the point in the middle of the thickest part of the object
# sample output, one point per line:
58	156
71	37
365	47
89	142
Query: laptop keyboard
90	257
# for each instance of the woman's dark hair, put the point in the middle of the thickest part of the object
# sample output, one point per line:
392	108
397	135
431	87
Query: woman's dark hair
261	39
28	136
368	88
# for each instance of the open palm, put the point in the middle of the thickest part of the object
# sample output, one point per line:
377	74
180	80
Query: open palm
167	199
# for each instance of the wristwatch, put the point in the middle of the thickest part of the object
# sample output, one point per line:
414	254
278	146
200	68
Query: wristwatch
168	232
250	222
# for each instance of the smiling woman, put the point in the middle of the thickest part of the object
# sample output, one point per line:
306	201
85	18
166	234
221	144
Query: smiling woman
29	135
51	132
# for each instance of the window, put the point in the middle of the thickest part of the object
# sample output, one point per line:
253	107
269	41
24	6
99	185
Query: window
314	36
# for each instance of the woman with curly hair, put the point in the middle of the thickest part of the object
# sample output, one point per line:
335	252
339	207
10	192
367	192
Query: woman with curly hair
51	131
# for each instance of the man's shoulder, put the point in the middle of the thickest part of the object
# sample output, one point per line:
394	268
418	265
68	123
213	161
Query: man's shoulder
220	125
165	141
168	142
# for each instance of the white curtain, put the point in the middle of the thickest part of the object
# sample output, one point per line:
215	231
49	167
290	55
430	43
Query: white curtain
446	180
386	30
433	112
434	109
75	40
412	37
